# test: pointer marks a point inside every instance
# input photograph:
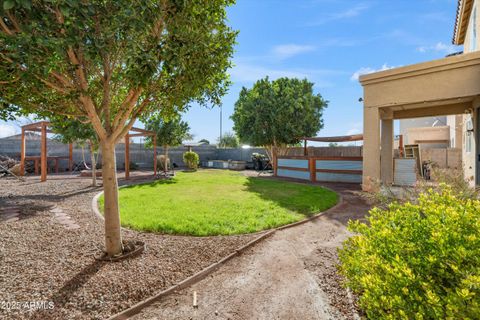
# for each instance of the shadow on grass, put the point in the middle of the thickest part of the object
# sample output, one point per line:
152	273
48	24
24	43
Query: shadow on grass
151	184
301	198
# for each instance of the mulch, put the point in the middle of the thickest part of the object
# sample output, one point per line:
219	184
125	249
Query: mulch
44	262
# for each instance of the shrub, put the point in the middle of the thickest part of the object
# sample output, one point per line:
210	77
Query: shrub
191	159
454	178
417	261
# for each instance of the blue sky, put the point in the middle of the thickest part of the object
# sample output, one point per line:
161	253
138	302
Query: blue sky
329	42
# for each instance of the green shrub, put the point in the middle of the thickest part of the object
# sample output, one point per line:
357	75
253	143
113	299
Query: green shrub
417	261
191	159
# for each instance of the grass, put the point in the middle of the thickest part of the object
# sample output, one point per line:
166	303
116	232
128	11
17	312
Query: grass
217	202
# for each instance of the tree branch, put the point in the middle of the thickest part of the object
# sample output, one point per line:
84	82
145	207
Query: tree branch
5	28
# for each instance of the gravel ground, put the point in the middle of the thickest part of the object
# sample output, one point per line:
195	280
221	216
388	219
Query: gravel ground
43	261
290	275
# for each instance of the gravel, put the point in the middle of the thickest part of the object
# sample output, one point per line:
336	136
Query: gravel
42	262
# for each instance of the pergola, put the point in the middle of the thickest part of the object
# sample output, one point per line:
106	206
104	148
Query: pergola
41	127
354	137
139	133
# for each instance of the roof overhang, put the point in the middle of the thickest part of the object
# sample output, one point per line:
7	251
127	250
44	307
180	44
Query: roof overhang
440	87
464	9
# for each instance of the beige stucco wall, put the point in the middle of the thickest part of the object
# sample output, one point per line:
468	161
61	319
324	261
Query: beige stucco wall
429	135
469	158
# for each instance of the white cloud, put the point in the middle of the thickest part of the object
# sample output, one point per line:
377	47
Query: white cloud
286	51
355	128
348	13
351	12
7	130
439	47
366	70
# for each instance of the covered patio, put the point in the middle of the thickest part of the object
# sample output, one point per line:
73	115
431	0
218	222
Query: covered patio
448	86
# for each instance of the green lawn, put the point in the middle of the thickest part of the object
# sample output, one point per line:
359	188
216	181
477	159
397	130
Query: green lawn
218	202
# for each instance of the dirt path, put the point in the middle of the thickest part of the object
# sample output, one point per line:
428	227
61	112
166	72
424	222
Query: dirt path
291	275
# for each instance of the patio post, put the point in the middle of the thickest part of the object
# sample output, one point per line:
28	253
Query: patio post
43	154
155	155
70	157
22	153
127	156
386	157
371	148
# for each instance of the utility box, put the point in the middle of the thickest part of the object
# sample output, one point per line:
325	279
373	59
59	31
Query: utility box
405	172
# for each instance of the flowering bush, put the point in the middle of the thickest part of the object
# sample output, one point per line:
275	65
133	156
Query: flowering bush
417	261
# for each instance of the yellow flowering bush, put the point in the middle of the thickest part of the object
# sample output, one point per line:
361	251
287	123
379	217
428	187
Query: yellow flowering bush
417	261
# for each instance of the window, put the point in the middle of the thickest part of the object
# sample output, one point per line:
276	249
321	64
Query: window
469	135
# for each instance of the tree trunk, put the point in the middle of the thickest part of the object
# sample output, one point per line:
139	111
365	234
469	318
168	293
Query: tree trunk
94	165
165	166
113	236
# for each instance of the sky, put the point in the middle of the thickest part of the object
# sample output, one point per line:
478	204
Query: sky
329	42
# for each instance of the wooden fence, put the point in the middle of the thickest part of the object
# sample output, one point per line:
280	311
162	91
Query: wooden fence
326	169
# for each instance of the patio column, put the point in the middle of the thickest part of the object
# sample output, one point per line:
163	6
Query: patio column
386	157
371	148
43	154
22	153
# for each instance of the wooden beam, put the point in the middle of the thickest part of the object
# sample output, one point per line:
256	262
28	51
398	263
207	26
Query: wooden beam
141	130
43	154
127	156
155	155
22	154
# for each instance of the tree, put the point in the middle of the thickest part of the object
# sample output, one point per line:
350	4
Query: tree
333	144
7	111
111	62
70	130
228	140
204	141
275	114
170	132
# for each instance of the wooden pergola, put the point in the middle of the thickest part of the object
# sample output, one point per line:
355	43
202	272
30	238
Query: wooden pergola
354	137
139	133
41	127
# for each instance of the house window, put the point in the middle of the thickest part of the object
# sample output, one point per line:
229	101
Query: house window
469	135
473	27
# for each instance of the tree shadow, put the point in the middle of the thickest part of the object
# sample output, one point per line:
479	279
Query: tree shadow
353	206
62	297
287	195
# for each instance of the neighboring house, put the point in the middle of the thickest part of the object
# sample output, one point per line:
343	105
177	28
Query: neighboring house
448	87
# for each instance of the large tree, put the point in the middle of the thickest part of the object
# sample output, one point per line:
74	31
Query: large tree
170	132
275	114
112	61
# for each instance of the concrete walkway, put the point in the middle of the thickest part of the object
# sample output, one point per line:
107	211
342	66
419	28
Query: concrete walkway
291	275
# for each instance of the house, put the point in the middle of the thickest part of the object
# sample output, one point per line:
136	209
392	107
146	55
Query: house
439	88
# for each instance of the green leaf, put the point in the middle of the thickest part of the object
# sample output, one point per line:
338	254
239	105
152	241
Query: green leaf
8	4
